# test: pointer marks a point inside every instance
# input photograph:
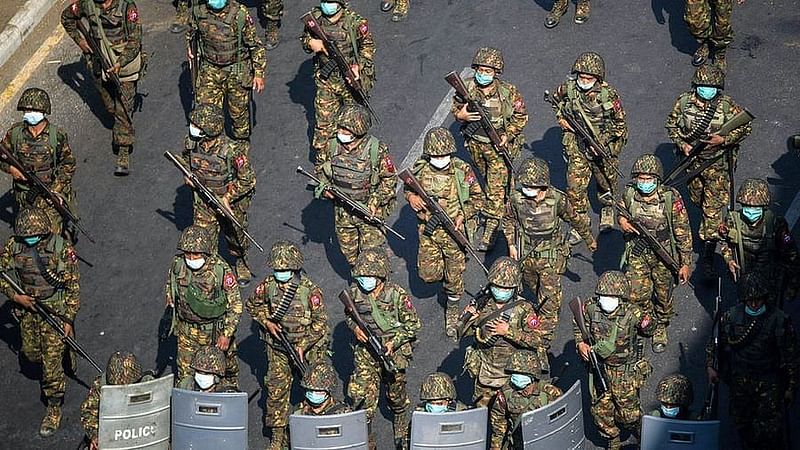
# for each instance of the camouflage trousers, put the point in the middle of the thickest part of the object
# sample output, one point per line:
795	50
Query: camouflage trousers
482	394
401	6
182	11
580	171
278	380
190	338
209	219
42	344
271	9
215	84
651	285
710	19
756	407
365	385
440	258
331	95
710	191
355	235
619	407
543	277
493	169
122	132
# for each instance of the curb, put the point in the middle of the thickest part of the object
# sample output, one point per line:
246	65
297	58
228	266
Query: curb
23	22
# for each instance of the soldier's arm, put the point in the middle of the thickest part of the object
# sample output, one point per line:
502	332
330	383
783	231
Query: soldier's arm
727	244
561	99
498	421
65	163
69	18
474	204
304	39
6	144
510	221
673	124
234	310
258	53
579	223
739	133
382	194
409	319
72	287
519	117
133	45
7	265
681	229
90	411
245	180
553	392
256	305
319	320
458	103
366	47
618	128
168	286
526	331
645	325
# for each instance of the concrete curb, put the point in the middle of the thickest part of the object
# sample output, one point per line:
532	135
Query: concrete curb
23	22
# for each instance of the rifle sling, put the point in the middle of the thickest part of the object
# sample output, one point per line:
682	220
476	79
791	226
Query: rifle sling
495	314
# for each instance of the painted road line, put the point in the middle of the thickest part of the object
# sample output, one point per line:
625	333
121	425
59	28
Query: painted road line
27	71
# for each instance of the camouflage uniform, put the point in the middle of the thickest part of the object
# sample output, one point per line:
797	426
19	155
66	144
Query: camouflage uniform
506	107
321	377
364	171
663	213
46	155
296	306
352	35
400	8
582	11
437	387
207	303
56	288
674	391
455	187
533	229
709	21
272	11
210	360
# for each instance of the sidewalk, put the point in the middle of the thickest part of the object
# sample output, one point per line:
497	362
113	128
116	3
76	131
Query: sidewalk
18	22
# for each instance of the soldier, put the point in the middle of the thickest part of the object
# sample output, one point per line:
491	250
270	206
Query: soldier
505	105
532	227
287	302
709	21
507	324
351	34
758	360
587	95
46	267
233	61
203	290
697	115
272	11
358	165
525	391
660	209
582	10
616	326
389	313
437	394
400	8
319	383
44	150
675	395
116	26
223	166
451	181
208	365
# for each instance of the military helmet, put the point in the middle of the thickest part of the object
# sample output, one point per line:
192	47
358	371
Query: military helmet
439	141
355	119
525	362
794	141
488	57
208	118
196	239
321	377
209	359
505	273
123	368
590	63
34	99
372	263
437	386
613	283
534	172
709	75
753	286
285	255
675	389
32	222
754	192
648	164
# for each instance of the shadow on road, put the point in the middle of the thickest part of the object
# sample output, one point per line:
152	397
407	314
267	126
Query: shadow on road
81	81
681	39
302	91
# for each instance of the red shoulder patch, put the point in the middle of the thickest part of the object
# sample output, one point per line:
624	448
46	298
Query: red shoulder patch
533	321
722	230
72	255
249	19
518	104
678	205
133	14
363	29
260	289
389	164
470	178
240	160
407	302
645	321
75	8
229	280
617	105
315	300
501	399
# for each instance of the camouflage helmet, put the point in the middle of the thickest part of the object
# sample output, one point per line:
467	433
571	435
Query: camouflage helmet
709	75
525	362
613	283
439	141
534	172
209	359
285	255
208	118
505	273
123	368
34	99
754	192
196	239
488	57
753	286
32	222
648	164
372	263
355	119
437	386
321	377
675	389
590	63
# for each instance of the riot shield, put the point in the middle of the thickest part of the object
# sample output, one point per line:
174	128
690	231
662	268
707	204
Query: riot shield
209	420
464	430
134	416
557	425
336	431
659	433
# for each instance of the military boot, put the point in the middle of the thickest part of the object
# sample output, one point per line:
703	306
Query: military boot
243	274
489	235
707	259
582	11
606	218
123	161
554	16
719	58
660	340
614	444
387	5
400	10
451	313
574	238
277	439
271	37
700	55
52	418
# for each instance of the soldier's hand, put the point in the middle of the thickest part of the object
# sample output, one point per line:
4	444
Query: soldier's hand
188	182
373	210
360	335
16	174
389	348
317	46
93	444
686	149
459	223
69	330
683	274
713	375
301	353
273	328
714	140
85	46
328	194
223	342
593	246
625	225
512	252
733	268
565	125
498	327
416	202
24	300
466	116
503	140
226	202
583	350
356	71
114	69
258	84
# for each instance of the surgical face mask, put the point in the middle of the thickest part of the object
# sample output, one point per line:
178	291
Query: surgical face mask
530	192
329	8
194	132
282	275
194	264
752	213
483	79
670	412
755	312
316	397
436	409
204	380
345	138
608	304
520	381
440	162
217	4
502	294
706	92
30	241
646	187
367	283
585	86
33	117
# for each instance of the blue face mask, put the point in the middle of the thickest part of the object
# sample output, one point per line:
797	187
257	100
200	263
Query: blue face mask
329	8
755	312
30	241
316	397
32	117
520	381
646	187
670	412
501	294
752	213
436	409
282	275
367	283
706	92
483	79
217	4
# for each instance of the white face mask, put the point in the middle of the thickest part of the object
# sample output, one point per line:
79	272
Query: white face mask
33	117
608	304
585	86
345	138
195	132
531	192
440	162
204	380
194	264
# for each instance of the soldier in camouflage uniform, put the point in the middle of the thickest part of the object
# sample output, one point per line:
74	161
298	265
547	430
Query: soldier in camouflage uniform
203	289
582	10
617	327
388	311
44	150
233	61
697	115
400	8
208	365
117	27
660	209
587	96
675	395
319	383
357	164
46	267
451	181
351	34
437	394
532	227
506	324
525	391
223	166
287	301
506	107
758	360
709	21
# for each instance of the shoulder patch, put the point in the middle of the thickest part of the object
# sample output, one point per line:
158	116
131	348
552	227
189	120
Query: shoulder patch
315	299
72	255
532	321
249	19
722	229
645	321
617	105
240	160
470	177
501	398
260	289
229	280
518	103
678	205
407	303
389	163
133	14
363	28
75	8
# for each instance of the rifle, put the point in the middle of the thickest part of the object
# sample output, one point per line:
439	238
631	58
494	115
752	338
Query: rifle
301	367
596	367
47	314
374	342
166	324
710	404
194	61
211	199
438	216
732	210
336	55
353	205
58	203
478	301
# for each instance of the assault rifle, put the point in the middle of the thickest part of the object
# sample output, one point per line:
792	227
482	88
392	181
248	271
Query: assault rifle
298	363
711	402
194	61
600	383
438	216
373	341
58	203
478	301
211	199
166	324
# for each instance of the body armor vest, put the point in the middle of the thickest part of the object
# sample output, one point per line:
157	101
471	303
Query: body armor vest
297	319
352	171
751	342
497	104
692	115
113	22
383	318
198	294
341	33
595	107
758	241
38	156
602	326
221	35
211	167
495	353
539	221
39	284
441	184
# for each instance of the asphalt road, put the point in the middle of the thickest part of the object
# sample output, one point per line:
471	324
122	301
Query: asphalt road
137	220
